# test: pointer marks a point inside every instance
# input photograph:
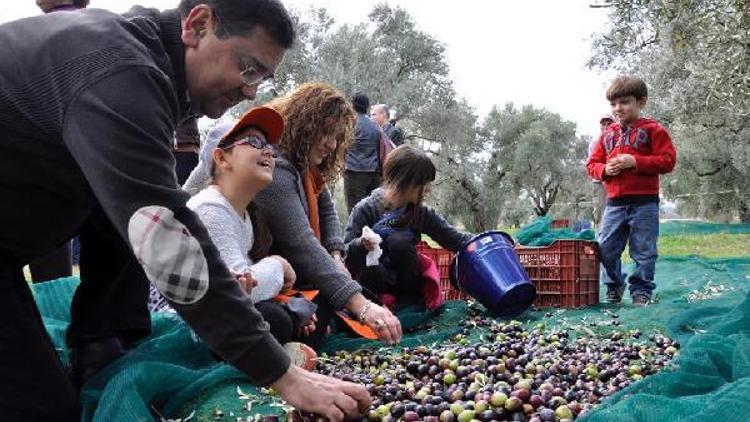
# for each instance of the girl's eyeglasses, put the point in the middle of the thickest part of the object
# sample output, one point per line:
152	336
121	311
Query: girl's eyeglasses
254	141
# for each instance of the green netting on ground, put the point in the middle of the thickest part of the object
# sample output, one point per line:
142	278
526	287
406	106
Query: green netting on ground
174	372
540	233
670	228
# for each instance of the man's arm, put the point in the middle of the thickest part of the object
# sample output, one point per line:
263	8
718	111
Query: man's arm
122	143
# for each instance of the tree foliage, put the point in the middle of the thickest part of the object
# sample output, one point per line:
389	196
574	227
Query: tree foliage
539	150
515	164
695	56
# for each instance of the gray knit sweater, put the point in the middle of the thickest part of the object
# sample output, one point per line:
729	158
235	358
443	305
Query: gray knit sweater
285	207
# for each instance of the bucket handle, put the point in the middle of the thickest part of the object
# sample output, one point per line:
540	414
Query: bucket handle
455	258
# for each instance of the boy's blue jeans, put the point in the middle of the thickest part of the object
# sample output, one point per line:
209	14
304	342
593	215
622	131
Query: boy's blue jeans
638	226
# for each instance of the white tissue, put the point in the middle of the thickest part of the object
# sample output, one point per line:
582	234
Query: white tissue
373	257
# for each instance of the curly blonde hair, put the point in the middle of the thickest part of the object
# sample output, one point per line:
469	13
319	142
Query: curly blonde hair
312	111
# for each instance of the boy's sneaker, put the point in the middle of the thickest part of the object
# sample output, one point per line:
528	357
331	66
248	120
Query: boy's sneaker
614	294
640	301
301	355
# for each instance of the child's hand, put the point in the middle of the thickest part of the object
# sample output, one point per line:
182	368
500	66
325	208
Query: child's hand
309	327
289	275
612	169
246	281
368	244
626	161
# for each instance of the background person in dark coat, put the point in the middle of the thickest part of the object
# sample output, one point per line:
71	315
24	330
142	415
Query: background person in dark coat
362	174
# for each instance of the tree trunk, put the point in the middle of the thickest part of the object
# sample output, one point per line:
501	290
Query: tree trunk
744	211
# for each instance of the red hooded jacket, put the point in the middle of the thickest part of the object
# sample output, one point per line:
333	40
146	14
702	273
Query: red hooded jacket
652	148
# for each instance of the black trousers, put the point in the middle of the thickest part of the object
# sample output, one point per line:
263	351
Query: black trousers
281	324
325	315
398	271
358	185
112	299
34	385
54	265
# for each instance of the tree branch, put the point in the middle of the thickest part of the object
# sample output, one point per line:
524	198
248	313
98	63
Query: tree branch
712	172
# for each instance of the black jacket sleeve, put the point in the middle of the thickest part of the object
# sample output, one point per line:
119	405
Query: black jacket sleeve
435	226
362	215
119	131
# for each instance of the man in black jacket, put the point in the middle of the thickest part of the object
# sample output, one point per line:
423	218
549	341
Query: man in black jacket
89	101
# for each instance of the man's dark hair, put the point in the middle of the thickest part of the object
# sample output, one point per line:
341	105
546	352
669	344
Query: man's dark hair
80	3
361	103
240	17
625	86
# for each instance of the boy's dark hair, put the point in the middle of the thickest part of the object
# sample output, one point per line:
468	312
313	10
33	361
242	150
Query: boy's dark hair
361	103
240	17
625	86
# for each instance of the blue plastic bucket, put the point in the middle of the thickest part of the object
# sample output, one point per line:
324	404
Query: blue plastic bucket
489	270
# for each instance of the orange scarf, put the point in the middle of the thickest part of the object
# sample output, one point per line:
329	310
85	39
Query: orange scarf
314	185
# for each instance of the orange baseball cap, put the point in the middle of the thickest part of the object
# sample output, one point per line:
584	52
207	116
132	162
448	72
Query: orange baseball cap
264	118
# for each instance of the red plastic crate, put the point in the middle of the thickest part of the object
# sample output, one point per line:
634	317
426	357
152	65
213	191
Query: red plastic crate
565	273
562	223
442	258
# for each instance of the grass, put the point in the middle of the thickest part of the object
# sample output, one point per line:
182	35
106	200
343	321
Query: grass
720	245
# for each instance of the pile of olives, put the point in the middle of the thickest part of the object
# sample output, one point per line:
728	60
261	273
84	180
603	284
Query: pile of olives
512	373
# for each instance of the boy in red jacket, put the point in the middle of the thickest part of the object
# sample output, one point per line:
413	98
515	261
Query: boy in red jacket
629	157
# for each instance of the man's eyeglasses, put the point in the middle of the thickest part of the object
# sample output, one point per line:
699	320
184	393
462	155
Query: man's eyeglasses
254	141
251	76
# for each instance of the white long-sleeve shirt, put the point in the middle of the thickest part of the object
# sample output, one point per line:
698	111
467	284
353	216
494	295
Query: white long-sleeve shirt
233	236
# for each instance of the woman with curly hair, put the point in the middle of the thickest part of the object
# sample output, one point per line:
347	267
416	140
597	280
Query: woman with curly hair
319	125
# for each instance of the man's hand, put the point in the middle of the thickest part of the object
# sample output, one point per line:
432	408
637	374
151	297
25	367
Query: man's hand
334	399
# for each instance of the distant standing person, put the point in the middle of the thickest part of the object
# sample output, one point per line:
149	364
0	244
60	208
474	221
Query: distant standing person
628	158
361	174
599	196
381	114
